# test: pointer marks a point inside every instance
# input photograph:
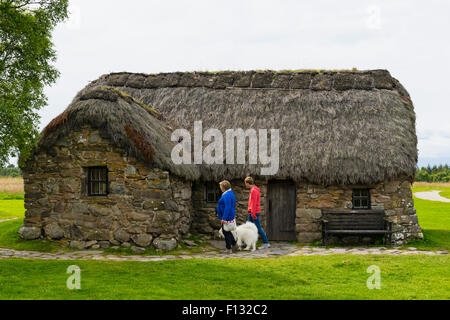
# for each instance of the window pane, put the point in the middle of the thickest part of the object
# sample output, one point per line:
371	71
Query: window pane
361	198
212	191
97	180
95	188
103	174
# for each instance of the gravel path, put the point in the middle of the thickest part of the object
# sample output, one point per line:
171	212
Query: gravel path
431	195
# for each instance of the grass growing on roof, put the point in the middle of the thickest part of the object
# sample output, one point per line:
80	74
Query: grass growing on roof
129	98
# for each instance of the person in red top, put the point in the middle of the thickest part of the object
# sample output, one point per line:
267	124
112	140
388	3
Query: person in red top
254	209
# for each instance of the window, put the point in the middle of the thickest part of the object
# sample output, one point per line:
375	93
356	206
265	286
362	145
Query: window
361	199
213	192
97	181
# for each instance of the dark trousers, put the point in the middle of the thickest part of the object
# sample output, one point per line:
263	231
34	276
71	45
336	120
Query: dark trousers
257	222
229	239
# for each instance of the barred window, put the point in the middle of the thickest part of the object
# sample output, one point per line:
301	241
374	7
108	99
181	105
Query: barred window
213	192
97	181
361	199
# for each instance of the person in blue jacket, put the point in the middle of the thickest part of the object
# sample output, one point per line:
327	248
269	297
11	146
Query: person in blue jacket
226	212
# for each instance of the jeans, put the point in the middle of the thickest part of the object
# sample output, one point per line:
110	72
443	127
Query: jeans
229	239
257	222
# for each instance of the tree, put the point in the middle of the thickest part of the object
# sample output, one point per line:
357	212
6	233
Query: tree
422	175
439	173
26	57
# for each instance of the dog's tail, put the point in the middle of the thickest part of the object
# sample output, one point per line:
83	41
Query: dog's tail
252	226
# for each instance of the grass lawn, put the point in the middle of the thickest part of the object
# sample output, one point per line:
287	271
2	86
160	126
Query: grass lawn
9	238
307	277
11	205
434	218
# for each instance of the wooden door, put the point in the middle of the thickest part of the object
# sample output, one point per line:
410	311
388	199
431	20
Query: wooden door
281	210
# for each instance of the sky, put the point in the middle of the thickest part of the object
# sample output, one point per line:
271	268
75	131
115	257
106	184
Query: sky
409	38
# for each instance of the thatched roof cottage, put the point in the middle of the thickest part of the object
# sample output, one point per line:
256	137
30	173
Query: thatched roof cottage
102	170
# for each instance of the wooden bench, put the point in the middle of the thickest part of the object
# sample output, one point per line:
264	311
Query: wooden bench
355	222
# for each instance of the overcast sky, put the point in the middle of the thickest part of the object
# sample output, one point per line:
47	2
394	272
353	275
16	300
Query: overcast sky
408	38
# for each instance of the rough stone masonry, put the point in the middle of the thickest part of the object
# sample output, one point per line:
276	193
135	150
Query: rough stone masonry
145	206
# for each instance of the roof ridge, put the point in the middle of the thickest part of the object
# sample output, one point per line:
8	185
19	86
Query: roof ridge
284	79
110	93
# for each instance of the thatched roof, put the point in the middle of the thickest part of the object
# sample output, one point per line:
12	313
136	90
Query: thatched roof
336	127
127	122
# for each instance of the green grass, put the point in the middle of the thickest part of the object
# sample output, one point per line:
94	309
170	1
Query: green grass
9	238
445	194
303	277
430	187
434	218
307	277
11	205
11	196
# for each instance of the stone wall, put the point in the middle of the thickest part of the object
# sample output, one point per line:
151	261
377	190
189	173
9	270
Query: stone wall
395	197
205	219
145	206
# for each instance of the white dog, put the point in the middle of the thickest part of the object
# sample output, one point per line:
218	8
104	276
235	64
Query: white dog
246	233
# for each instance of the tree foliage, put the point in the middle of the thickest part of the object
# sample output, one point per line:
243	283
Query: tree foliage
439	173
26	67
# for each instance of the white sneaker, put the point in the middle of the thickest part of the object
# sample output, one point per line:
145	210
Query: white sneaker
264	246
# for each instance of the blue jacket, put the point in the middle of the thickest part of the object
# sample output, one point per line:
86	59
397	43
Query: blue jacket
226	209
